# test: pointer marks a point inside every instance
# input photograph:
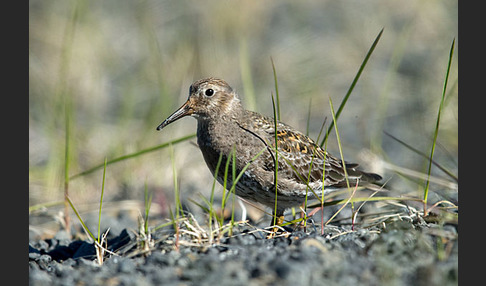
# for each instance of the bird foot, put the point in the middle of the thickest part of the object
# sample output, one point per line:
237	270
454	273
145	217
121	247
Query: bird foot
277	228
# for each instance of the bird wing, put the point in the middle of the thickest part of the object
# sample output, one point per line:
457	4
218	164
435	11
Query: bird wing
300	158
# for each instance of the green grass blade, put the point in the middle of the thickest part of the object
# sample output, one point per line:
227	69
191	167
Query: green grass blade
67	136
165	224
216	172
339	143
436	131
201	206
178	203
135	154
307	125
275	176
276	90
323	176
233	165
449	173
173	221
235	181
148	204
225	183
211	199
353	84
101	201
320	130
307	184
341	150
234	190
80	219
62	93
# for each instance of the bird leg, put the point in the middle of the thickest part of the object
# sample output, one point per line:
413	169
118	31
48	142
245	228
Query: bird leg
275	227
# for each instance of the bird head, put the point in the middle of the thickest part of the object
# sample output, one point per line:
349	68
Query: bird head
208	98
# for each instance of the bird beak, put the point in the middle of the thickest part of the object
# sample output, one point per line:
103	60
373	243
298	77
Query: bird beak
184	110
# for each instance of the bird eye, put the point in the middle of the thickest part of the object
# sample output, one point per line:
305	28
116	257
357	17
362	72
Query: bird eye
209	92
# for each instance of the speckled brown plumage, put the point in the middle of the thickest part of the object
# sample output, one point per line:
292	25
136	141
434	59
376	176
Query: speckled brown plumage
223	125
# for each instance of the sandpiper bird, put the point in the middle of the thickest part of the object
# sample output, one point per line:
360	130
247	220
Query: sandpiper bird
223	125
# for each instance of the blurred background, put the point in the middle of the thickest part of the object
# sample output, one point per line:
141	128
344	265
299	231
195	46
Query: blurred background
113	70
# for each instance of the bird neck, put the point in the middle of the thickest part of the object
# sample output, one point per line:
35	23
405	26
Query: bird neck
230	109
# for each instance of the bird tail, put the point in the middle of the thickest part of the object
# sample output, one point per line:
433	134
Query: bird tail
370	177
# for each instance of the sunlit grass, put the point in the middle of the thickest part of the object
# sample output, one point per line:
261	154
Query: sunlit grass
436	130
100	242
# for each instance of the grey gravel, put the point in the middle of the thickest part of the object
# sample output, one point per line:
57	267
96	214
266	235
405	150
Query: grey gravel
402	253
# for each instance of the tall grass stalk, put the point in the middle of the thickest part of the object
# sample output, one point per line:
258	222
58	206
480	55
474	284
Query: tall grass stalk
242	172
145	237
321	199
67	220
323	176
436	131
276	118
275	176
100	243
353	84
85	228
148	204
175	225
310	171
133	155
226	192
307	125
100	250
276	91
211	198
233	193
308	187
340	148
177	198
62	93
101	201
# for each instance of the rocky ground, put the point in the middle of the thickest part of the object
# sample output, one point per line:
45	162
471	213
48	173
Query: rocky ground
398	251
